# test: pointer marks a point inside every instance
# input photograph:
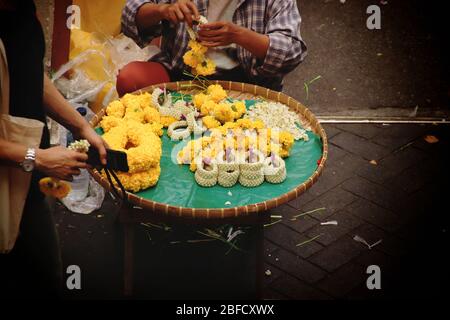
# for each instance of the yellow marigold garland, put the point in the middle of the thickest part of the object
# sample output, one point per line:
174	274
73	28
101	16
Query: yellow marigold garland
196	59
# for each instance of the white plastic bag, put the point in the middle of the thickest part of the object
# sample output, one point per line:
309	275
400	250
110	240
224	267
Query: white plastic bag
124	50
92	202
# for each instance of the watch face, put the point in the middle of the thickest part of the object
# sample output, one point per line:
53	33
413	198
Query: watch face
28	165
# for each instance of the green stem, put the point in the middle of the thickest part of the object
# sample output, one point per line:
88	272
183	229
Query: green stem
273	223
309	240
305	213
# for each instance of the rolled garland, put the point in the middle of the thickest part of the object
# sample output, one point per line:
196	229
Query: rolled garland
193	125
204	177
178	135
275	169
228	171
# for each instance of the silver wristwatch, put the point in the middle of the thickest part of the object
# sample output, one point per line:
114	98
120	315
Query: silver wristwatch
29	161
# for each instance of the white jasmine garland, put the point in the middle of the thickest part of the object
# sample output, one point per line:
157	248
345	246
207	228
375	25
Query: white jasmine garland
276	115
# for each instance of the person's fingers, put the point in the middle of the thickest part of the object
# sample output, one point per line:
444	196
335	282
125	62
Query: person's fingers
179	14
193	9
211	44
212	25
103	154
210	32
101	146
75	172
187	13
173	17
80	156
81	165
211	39
66	177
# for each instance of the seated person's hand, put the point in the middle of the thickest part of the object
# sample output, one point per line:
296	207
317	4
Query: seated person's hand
181	11
216	34
61	163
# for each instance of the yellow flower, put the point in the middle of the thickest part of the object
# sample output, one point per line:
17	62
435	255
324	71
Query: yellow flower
142	158
223	112
151	115
206	141
286	140
206	68
135	182
230	125
197	48
115	109
109	122
245	123
210	122
274	148
145	100
216	92
166	121
193	166
130	101
258	124
54	187
116	137
284	153
207	108
238	109
155	127
199	100
135	114
192	59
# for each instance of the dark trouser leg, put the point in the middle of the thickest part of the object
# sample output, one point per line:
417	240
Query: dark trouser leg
33	268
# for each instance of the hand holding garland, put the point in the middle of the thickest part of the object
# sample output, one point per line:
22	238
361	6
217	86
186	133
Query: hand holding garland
224	33
151	14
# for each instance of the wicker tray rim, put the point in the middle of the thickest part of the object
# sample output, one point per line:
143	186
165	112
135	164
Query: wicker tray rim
215	213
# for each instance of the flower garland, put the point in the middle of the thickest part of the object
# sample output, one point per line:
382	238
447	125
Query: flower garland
56	188
196	57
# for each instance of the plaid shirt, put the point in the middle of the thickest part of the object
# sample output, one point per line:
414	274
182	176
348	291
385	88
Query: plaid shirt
278	19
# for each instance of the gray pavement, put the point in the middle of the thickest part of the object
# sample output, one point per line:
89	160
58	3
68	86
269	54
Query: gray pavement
385	72
400	200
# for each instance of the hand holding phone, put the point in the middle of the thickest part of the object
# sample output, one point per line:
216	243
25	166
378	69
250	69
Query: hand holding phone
115	160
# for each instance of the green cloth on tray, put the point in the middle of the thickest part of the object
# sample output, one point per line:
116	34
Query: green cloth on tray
177	186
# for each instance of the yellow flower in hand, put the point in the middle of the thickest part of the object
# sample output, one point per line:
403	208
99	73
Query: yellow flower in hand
192	59
206	68
197	48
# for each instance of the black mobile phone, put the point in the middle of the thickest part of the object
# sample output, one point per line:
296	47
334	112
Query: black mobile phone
116	160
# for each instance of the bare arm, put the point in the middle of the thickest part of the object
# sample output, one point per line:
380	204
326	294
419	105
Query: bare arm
150	14
223	33
256	43
56	162
61	111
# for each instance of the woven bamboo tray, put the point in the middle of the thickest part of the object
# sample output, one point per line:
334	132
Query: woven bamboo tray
240	91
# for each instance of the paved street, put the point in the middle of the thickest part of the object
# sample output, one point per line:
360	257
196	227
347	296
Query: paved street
398	198
386	184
